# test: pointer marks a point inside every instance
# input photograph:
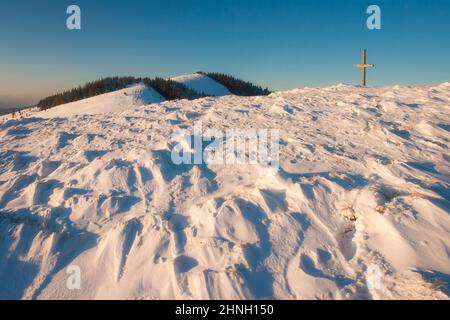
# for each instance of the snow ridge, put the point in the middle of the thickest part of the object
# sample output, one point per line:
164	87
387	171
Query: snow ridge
120	100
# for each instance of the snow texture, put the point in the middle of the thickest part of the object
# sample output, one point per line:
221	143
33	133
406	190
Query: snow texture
363	183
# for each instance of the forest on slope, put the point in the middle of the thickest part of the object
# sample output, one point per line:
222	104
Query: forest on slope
169	89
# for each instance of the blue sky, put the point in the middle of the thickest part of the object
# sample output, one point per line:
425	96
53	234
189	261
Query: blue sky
280	44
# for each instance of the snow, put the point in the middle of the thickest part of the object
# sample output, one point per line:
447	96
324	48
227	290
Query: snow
128	98
202	84
363	185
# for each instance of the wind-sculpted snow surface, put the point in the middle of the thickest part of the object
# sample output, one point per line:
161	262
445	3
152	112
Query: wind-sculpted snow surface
358	209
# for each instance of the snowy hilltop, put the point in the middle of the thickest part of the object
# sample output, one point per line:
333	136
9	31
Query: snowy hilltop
359	207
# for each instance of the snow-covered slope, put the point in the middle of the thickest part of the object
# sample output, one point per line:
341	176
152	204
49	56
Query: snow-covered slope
363	187
128	98
202	84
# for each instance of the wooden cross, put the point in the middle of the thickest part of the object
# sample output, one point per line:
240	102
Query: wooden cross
363	66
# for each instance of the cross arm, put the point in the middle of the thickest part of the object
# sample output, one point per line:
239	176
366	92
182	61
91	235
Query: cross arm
364	65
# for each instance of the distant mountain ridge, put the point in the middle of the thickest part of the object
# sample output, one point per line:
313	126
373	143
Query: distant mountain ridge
203	84
120	100
191	86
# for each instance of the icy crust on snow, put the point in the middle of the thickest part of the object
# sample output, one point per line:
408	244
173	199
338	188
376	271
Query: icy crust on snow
202	84
363	185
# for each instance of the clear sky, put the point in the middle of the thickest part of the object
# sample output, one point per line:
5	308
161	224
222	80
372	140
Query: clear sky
280	44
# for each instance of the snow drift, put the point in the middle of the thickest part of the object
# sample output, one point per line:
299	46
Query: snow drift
363	186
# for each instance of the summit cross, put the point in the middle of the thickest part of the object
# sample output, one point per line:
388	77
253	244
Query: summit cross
364	66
